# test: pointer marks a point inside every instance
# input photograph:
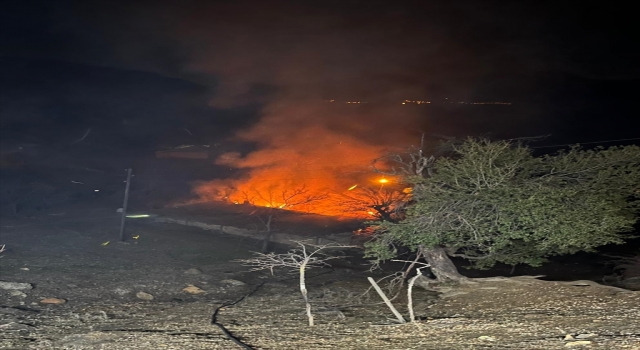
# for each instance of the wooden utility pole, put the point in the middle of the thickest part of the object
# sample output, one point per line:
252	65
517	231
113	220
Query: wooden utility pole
124	205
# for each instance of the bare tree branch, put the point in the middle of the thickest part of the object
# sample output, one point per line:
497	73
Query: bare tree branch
299	259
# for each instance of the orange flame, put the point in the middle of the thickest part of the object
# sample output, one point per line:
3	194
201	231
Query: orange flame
302	163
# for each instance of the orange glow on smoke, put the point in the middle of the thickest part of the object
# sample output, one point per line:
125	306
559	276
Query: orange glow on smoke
302	163
308	181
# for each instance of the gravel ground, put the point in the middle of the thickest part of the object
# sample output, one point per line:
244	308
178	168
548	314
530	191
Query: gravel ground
100	284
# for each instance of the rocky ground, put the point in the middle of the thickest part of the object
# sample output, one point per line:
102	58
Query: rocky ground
70	285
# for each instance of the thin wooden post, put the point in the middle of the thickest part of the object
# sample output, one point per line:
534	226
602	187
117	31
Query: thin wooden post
386	300
124	205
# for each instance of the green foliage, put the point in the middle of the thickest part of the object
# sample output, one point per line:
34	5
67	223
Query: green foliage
496	202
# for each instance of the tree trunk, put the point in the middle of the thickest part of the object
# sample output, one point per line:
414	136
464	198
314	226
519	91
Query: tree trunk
441	265
267	235
303	290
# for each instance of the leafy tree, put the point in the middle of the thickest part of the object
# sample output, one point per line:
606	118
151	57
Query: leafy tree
492	202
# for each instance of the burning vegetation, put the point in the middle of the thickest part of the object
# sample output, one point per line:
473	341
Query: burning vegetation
373	197
312	158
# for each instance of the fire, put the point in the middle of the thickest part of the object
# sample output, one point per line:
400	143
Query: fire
307	160
309	187
353	202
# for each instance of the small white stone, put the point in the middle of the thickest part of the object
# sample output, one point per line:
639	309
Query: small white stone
487	338
144	296
569	337
15	285
17	293
233	282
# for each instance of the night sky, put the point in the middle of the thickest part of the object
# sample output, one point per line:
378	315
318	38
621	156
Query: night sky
151	74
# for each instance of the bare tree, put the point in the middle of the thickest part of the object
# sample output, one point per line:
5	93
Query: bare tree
301	259
271	202
384	203
416	161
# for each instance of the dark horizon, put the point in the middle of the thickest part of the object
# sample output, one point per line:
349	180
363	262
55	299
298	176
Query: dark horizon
142	71
42	95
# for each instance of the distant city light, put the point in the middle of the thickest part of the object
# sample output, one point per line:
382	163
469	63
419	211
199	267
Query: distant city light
418	102
421	102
